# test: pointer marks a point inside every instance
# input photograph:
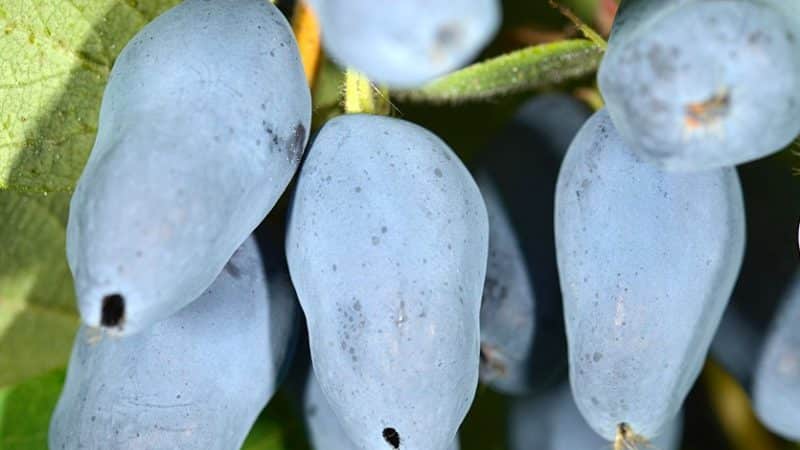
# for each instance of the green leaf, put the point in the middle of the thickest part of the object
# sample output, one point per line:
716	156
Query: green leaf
486	423
25	411
57	56
523	70
38	318
278	428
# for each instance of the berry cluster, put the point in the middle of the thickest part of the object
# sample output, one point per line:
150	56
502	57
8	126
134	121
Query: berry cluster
610	252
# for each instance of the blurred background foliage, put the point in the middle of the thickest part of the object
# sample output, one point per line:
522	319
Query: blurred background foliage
54	58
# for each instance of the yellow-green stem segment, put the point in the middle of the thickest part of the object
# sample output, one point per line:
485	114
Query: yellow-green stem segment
361	96
358	93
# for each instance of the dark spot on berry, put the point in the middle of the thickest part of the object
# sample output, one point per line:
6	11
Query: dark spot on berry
448	35
233	270
391	436
297	143
113	310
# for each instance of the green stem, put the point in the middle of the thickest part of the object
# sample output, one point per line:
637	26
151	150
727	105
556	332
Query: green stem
361	96
581	25
358	93
522	70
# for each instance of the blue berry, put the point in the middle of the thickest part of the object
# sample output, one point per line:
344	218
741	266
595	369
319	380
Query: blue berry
684	81
387	246
203	123
552	422
196	380
776	391
324	430
523	347
769	266
406	43
647	261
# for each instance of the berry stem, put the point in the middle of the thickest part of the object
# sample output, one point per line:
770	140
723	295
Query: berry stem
585	29
627	439
361	96
357	93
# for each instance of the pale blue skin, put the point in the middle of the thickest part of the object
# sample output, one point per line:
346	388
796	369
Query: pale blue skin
324	430
387	246
553	118
405	43
769	266
196	380
789	8
647	260
270	238
203	123
523	347
553	422
666	56
776	390
508	306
